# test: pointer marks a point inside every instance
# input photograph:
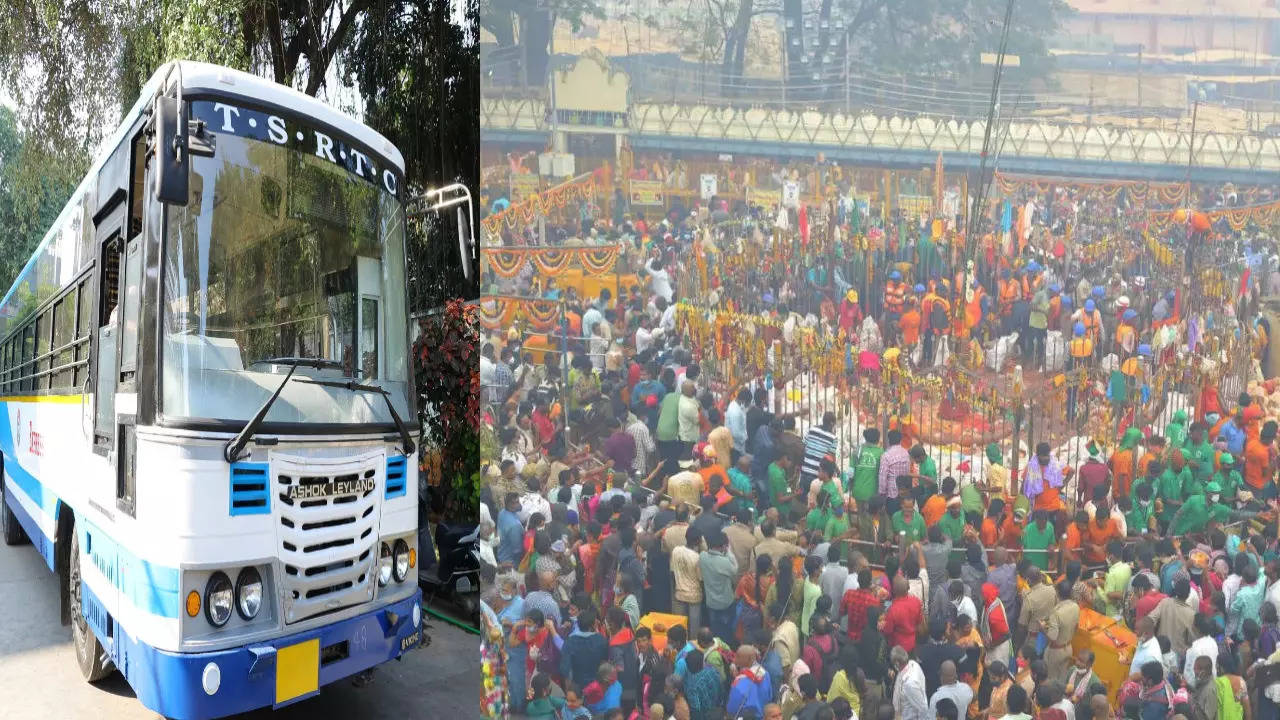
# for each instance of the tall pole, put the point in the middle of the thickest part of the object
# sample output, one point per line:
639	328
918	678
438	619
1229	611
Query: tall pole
1191	156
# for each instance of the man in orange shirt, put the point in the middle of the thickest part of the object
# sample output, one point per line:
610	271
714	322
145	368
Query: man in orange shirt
1076	534
1155	450
909	324
1101	531
1124	463
1257	457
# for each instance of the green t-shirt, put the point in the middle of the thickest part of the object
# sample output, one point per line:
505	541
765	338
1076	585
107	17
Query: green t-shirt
1117	580
1195	513
1202	454
834	491
952	527
1138	516
777	488
668	417
1033	538
1230	482
971	499
866	474
1169	488
929	468
1219	512
914	530
836	526
817	519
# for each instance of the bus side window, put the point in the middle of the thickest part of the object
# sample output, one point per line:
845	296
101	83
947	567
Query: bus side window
110	282
129	311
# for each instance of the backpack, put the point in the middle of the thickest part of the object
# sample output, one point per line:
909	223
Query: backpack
750	622
726	659
828	662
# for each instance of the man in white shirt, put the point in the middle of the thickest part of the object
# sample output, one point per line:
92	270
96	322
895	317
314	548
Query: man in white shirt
909	700
949	688
533	502
1202	646
1148	647
687	591
735	418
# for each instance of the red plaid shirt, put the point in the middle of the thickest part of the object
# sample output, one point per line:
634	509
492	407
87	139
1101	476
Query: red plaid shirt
855	604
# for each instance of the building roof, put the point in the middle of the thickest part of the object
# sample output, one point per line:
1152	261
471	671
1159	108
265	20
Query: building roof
1243	9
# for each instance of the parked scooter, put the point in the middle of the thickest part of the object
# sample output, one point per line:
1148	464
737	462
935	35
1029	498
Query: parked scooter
456	573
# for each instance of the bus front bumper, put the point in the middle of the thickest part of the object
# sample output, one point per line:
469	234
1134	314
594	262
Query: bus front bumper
194	686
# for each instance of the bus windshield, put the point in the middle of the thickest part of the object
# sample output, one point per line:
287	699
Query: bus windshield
280	254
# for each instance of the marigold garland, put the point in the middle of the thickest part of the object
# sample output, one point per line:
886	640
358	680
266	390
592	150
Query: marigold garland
507	262
543	203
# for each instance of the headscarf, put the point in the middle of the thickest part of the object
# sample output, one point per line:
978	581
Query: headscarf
990	593
1176	430
1131	438
993	454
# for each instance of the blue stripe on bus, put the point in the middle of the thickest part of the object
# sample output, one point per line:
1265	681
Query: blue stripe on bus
27	482
44	544
152	588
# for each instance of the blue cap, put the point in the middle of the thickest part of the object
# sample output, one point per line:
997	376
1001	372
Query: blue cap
1129	314
1078	329
1098	291
1033	266
918	288
1144	350
1066	300
895	275
1170	295
1089	306
1055	288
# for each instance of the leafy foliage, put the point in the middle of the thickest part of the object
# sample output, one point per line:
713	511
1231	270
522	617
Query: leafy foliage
446	369
921	37
420	74
32	193
526	24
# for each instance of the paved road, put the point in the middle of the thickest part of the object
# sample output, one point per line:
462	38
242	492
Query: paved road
39	677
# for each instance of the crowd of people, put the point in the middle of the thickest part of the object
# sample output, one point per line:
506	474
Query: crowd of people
662	546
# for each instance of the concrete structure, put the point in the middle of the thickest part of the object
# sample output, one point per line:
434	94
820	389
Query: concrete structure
591	100
1245	27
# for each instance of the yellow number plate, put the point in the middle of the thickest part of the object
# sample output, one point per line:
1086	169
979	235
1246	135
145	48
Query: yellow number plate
297	670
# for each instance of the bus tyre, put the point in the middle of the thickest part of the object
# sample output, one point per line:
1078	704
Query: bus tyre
13	532
90	655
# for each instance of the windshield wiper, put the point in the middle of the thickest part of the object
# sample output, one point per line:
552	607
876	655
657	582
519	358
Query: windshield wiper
317	363
231	451
406	441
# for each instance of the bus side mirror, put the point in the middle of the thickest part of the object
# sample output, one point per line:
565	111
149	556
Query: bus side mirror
173	163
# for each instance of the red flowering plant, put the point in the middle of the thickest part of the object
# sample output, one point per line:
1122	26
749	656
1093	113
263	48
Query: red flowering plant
446	369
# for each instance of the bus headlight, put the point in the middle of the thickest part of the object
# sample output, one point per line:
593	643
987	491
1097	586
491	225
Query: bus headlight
384	564
401	557
249	593
218	599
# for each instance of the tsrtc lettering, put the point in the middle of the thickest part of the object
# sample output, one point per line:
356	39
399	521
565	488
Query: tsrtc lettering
324	146
361	160
389	181
276	130
227	111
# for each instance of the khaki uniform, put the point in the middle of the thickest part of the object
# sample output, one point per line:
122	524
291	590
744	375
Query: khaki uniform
741	544
1060	628
775	549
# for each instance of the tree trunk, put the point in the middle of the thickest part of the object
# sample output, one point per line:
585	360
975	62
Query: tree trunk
735	47
502	25
535	41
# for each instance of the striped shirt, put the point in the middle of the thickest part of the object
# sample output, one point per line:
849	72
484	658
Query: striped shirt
644	445
818	443
895	461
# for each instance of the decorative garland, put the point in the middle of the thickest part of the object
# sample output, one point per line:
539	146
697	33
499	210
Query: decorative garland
543	203
1237	218
502	312
1167	193
507	262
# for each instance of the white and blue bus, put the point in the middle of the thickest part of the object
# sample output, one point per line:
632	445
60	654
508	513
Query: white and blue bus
206	414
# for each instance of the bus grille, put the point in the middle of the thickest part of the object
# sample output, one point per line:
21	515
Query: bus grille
328	543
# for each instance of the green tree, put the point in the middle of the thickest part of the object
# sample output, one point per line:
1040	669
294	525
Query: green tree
922	37
32	193
526	24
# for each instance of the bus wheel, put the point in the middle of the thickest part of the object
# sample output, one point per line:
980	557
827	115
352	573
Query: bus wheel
90	655
13	532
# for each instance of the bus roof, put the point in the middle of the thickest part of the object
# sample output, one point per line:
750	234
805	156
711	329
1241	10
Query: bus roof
197	77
